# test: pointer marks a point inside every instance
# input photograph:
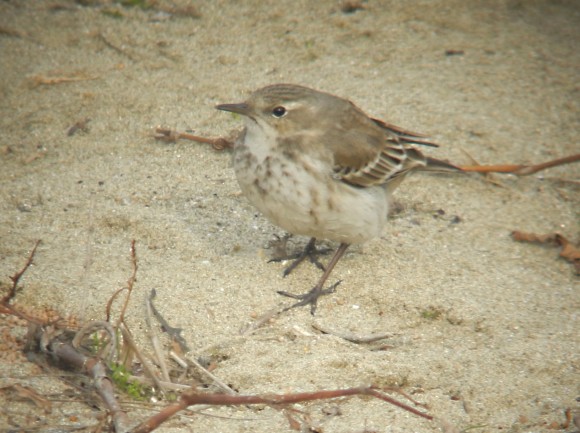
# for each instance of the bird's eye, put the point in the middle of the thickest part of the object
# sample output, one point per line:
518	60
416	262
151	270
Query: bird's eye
279	112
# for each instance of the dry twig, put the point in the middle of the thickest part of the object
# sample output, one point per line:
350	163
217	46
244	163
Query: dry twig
359	339
114	47
171	136
212	376
109	350
16	277
521	170
130	283
81	125
261	321
128	339
192	398
155	341
39	80
174	333
569	251
27	393
56	343
95	369
5	307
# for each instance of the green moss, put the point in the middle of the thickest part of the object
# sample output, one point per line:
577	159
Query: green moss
431	313
143	4
121	379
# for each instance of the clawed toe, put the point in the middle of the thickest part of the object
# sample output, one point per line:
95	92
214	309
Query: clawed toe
309	252
300	258
309	298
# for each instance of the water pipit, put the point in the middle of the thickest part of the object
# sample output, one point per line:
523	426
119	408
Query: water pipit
316	165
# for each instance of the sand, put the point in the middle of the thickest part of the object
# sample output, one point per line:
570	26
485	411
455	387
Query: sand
481	328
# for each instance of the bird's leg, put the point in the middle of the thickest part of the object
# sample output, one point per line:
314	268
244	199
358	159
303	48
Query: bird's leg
309	251
317	291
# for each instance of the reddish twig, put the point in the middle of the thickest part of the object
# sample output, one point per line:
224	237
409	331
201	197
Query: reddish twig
16	277
130	283
192	398
568	420
5	307
569	251
107	351
172	136
109	306
129	288
521	170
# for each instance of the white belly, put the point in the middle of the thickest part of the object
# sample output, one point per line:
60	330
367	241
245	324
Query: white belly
305	199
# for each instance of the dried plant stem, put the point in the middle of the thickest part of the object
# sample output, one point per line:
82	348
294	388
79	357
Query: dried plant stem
521	170
192	398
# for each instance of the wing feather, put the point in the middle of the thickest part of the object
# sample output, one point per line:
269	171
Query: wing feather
387	150
372	152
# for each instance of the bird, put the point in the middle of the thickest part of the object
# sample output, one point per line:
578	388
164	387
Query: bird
317	165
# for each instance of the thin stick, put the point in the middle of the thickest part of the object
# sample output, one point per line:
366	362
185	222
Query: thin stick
130	284
193	398
260	321
128	338
16	277
177	359
521	170
109	351
359	339
172	136
155	342
109	306
213	377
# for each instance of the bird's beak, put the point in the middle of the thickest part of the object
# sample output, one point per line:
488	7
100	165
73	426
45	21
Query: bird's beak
241	108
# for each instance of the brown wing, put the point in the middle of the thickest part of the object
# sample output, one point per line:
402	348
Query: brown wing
372	152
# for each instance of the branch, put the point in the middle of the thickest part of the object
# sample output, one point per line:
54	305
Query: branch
16	277
192	398
95	369
130	284
171	136
521	170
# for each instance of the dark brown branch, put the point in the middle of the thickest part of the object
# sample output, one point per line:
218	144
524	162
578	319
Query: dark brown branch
95	369
5	307
192	398
174	333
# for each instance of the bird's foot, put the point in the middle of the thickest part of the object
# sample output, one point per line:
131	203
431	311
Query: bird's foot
309	252
309	298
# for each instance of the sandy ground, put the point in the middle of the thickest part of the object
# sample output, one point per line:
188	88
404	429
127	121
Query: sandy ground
483	329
